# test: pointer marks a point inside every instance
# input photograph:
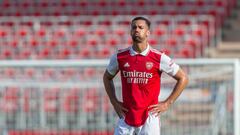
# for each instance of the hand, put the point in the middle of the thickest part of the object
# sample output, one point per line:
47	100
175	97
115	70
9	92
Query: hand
159	108
119	108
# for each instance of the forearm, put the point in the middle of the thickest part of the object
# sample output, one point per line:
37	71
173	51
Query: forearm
177	90
182	81
109	87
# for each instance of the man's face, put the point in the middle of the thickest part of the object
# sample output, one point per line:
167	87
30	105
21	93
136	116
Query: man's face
139	31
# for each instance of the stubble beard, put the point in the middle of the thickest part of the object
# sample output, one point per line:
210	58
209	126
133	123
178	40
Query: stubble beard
137	39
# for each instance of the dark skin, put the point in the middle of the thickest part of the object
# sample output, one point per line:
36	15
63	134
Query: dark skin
140	33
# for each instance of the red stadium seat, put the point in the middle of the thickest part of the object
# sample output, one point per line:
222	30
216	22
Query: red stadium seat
29	72
68	74
113	42
22	32
48	73
83	3
165	21
102	3
200	3
192	12
93	40
193	43
33	42
100	31
26	23
114	12
186	53
10	100
14	43
172	12
89	73
153	41
171	42
153	12
3	33
122	3
26	100
184	22
95	12
64	53
25	54
71	101
134	12
37	13
52	43
44	53
141	3
179	31
107	106
91	101
121	31
160	31
6	4
103	53
80	32
41	32
26	4
60	33
7	53
75	13
73	43
85	53
51	100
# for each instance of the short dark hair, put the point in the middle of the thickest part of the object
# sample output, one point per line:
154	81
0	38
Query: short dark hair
142	18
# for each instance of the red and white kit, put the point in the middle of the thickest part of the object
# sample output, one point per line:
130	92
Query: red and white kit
141	77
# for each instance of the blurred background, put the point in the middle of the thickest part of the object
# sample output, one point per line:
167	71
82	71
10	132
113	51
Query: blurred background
53	54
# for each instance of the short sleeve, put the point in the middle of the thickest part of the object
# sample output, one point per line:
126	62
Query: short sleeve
168	66
112	67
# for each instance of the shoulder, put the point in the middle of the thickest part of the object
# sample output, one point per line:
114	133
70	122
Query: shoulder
123	52
156	52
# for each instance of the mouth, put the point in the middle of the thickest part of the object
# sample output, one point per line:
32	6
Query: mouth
136	35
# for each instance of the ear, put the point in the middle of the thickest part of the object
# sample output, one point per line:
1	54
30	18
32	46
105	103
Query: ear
148	33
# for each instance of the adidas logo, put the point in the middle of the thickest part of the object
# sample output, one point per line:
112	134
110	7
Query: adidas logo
126	65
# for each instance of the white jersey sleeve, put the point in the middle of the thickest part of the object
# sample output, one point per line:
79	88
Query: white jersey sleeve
168	66
112	67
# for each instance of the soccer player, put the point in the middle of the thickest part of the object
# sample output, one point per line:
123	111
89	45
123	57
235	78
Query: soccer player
140	67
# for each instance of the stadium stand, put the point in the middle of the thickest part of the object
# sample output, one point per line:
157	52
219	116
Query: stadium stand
62	37
92	39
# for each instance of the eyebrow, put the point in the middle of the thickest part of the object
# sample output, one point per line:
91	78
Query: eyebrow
139	25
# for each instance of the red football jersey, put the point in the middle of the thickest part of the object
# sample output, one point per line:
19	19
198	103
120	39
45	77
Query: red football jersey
141	77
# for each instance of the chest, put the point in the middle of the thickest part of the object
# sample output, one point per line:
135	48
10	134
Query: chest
138	63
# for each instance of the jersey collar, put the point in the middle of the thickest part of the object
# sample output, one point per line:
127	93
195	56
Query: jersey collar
144	53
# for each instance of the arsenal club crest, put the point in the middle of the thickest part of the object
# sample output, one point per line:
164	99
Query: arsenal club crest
149	65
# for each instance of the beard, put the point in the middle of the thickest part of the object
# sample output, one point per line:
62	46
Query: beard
137	39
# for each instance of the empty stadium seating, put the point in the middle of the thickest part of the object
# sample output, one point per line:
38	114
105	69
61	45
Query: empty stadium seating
104	30
88	37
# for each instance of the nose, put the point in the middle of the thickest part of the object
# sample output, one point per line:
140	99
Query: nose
137	29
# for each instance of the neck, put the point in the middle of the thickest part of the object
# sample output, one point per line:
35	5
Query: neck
140	47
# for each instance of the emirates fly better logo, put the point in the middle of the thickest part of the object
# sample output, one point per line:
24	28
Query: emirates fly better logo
137	77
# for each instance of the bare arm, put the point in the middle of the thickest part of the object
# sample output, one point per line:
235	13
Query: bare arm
110	89
182	81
